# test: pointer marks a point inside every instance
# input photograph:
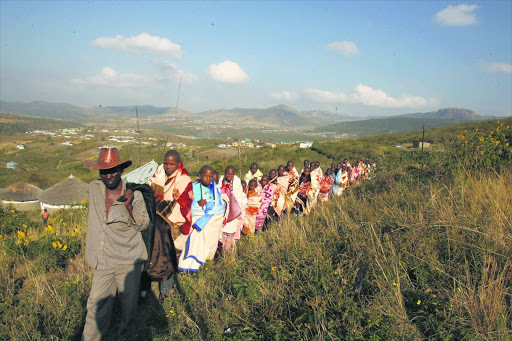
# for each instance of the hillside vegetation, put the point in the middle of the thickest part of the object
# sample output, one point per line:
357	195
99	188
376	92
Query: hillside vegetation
421	251
14	123
379	126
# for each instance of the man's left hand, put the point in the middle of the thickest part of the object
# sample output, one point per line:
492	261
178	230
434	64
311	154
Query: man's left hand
128	194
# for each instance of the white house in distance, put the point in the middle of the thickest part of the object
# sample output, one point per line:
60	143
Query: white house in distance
305	144
11	165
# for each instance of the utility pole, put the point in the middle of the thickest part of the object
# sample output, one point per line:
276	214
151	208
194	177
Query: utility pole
138	130
423	139
239	164
163	151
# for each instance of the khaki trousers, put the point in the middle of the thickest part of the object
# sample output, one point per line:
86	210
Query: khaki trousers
123	280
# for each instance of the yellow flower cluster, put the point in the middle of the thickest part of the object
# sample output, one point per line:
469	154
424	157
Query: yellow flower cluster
49	229
1	236
58	245
23	237
489	147
172	312
74	233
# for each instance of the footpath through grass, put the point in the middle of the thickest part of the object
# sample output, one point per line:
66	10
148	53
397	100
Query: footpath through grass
422	251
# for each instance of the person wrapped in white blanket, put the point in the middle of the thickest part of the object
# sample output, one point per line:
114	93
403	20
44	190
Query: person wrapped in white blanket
209	210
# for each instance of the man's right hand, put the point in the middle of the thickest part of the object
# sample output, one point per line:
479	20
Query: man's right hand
201	202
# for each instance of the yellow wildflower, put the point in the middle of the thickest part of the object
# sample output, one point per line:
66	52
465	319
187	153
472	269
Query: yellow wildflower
395	284
21	235
482	139
64	224
1	236
65	247
273	268
419	302
12	211
54	244
482	152
24	226
506	144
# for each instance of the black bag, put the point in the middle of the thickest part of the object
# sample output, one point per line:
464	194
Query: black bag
148	234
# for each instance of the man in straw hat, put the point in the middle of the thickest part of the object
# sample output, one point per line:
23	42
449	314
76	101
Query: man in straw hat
114	246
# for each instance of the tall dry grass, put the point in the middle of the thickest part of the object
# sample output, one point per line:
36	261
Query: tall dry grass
412	254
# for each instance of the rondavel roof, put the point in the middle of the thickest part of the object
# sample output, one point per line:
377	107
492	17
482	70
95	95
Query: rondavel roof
20	191
70	190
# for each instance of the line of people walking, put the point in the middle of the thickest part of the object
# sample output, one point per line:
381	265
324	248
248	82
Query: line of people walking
137	234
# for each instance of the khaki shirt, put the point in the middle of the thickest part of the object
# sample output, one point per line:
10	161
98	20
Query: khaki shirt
116	240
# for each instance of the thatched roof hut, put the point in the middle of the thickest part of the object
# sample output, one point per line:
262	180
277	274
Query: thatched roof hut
65	192
21	195
20	191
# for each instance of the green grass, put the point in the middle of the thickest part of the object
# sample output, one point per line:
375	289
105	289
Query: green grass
421	251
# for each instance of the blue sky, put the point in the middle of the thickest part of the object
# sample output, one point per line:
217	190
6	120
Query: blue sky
348	57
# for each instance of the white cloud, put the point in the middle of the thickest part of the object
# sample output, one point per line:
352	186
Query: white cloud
171	71
460	15
284	96
112	78
368	96
496	67
345	47
227	72
378	98
143	43
324	96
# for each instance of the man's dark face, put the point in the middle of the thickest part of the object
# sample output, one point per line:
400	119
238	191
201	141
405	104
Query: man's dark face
229	174
170	165
280	171
111	177
254	168
264	180
272	174
206	177
306	163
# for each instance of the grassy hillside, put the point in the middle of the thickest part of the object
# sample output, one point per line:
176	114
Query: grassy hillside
379	126
14	123
421	251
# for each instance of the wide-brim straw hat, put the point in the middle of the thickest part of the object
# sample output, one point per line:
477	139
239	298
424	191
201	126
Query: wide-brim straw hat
108	158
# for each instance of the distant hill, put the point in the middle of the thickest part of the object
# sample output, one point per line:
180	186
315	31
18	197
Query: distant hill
379	126
16	123
63	111
459	114
280	115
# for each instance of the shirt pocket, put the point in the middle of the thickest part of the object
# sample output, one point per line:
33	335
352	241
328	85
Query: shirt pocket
118	214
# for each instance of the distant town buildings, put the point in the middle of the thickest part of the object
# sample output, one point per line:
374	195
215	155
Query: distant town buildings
11	165
305	144
421	144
